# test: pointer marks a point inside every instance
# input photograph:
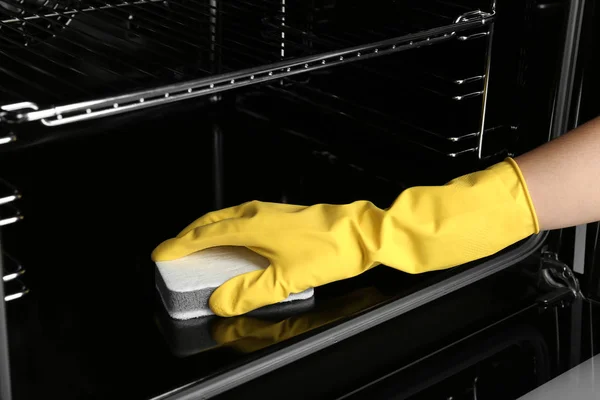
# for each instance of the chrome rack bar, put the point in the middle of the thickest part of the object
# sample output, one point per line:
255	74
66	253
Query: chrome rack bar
8	193
11	216
484	94
75	12
61	115
12	269
19	292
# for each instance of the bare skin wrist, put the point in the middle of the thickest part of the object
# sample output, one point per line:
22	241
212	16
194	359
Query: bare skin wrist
563	178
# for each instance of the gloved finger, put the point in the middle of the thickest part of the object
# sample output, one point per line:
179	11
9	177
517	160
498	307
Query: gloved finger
230	232
242	210
247	292
215	216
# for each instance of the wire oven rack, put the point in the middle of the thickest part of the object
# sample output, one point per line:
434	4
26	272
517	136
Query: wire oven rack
85	59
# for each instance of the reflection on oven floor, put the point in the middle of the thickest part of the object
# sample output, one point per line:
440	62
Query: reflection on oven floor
264	327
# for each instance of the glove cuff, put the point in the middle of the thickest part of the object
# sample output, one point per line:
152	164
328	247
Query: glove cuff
470	217
507	171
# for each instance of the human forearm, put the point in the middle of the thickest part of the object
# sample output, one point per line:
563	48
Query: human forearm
563	178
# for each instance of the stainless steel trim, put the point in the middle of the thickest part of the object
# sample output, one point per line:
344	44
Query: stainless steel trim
561	109
579	250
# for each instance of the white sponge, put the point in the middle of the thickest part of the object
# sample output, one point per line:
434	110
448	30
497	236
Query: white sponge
185	284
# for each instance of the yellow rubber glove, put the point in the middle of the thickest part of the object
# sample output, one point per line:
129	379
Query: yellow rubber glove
427	228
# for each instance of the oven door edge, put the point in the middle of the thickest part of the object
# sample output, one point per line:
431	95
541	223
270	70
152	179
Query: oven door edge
5	390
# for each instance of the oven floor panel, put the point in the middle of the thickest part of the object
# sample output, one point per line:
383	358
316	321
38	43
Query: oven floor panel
94	209
97	330
96	336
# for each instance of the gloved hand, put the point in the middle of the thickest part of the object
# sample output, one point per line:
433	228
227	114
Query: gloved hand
425	229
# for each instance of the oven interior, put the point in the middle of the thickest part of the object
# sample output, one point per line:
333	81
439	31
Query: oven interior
95	195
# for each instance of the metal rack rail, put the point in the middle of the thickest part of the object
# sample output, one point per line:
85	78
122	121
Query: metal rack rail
9	214
12	272
12	268
8	193
93	58
353	110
